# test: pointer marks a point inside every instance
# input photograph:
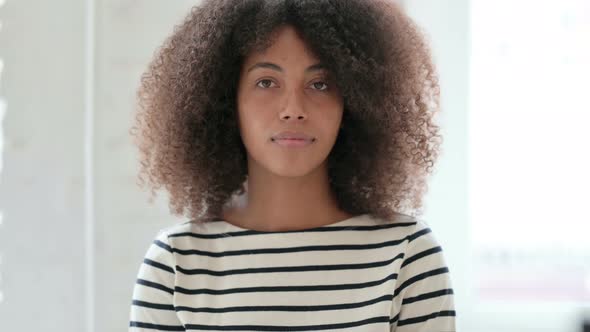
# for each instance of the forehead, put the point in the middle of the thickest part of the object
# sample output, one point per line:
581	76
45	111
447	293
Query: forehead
286	46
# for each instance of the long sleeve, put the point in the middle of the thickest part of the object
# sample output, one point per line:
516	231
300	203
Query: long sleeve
152	306
423	299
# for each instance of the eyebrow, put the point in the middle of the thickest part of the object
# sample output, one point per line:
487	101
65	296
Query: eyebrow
270	65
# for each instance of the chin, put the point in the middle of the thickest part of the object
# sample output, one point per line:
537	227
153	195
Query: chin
291	171
288	163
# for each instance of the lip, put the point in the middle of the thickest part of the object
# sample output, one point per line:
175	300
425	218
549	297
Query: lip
292	139
292	135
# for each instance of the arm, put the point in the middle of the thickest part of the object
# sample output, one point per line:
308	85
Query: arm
423	299
152	306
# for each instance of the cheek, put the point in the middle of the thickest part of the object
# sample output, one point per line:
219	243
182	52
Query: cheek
253	124
256	114
333	108
331	120
246	120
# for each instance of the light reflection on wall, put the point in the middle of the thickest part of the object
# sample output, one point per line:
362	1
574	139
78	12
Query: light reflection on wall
529	175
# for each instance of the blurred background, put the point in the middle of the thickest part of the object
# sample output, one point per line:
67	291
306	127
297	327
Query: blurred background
508	201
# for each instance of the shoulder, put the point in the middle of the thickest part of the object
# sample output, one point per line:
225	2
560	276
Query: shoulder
422	233
183	234
409	227
422	243
165	236
180	227
412	227
415	239
423	254
423	295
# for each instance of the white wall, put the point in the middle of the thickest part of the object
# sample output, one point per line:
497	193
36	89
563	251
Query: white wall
41	237
44	258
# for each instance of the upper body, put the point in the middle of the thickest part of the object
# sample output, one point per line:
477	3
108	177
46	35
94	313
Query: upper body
360	274
319	112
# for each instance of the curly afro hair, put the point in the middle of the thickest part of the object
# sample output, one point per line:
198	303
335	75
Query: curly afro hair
186	126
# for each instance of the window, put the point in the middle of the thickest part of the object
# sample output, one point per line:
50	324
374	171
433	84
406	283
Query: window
529	143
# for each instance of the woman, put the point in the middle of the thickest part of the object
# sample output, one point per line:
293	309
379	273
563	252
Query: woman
292	133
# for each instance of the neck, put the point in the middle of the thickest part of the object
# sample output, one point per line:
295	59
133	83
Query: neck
275	203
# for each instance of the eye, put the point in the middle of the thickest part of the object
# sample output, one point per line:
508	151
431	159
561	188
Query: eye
265	86
320	82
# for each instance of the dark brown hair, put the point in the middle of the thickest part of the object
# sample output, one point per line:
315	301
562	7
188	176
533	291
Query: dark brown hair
186	128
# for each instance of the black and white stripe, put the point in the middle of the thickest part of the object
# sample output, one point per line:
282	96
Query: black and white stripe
361	274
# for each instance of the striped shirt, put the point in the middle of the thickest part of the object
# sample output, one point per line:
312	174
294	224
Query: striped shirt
359	274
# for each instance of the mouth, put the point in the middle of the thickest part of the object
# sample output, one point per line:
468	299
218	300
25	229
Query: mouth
293	142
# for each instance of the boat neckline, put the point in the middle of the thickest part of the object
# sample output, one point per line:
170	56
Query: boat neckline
334	224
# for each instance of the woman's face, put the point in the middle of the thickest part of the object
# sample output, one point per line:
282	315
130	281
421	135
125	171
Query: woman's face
285	89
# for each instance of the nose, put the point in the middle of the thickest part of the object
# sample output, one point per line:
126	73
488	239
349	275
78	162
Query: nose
293	109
